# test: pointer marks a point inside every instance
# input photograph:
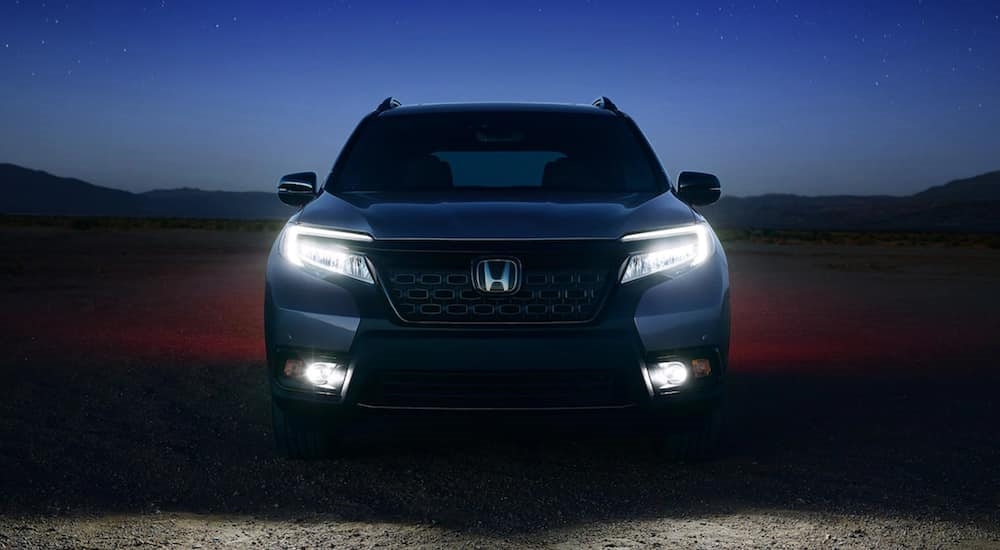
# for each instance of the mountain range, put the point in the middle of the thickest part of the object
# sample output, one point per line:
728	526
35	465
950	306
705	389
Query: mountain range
971	204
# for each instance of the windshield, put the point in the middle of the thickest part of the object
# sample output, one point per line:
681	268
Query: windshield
497	150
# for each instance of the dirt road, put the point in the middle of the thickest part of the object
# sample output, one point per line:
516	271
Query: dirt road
134	411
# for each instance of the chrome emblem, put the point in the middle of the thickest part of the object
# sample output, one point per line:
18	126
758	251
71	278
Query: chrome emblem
497	276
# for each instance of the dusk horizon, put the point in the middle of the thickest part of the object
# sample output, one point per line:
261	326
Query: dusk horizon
801	98
321	173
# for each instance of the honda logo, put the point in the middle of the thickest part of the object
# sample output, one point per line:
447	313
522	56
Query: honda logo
497	276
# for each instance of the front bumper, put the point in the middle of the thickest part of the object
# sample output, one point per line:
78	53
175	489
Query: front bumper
595	365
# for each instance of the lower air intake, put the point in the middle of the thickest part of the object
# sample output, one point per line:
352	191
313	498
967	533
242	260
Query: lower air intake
496	389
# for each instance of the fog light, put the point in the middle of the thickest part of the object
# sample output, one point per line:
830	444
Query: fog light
701	368
325	375
668	374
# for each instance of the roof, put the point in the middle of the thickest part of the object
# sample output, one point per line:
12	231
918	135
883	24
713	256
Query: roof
436	108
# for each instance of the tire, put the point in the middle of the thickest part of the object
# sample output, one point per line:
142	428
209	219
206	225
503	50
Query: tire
300	436
692	438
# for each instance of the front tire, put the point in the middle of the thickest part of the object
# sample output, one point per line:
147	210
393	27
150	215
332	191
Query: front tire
692	438
299	435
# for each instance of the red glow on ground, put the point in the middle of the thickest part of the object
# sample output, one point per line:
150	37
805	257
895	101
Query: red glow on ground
210	311
207	314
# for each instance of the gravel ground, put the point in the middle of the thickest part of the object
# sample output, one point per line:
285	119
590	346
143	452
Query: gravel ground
135	412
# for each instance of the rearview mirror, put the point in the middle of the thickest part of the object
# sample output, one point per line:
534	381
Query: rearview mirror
297	189
698	188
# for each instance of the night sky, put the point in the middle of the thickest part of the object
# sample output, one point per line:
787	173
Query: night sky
803	97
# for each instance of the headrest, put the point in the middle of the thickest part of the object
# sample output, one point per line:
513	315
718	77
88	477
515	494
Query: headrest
567	173
427	171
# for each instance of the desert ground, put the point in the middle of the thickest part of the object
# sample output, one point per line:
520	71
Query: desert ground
134	411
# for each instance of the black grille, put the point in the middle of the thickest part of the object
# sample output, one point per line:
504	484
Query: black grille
445	293
496	389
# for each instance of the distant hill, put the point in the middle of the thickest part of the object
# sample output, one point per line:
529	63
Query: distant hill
985	187
28	191
195	203
971	204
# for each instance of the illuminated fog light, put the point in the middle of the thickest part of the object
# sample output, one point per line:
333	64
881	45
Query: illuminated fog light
701	368
668	374
325	375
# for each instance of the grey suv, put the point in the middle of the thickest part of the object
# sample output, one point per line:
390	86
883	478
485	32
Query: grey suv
497	257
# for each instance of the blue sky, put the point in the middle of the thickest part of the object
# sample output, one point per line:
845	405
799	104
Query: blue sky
801	97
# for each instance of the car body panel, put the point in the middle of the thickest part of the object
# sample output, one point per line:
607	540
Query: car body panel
495	215
690	309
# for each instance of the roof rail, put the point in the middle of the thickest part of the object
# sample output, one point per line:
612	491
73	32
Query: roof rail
605	103
387	103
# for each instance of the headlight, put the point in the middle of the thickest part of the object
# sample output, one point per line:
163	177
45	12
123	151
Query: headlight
672	252
322	250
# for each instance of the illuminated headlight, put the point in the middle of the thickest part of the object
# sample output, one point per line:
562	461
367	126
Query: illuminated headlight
672	252
667	375
322	250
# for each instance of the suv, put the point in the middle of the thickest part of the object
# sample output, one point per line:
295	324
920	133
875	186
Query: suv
496	257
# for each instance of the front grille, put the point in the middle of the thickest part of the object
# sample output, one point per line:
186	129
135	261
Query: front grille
495	389
441	291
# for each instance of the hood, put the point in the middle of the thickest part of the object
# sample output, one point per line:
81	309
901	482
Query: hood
500	215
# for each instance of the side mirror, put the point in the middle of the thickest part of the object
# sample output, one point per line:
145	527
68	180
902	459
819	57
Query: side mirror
698	188
297	189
